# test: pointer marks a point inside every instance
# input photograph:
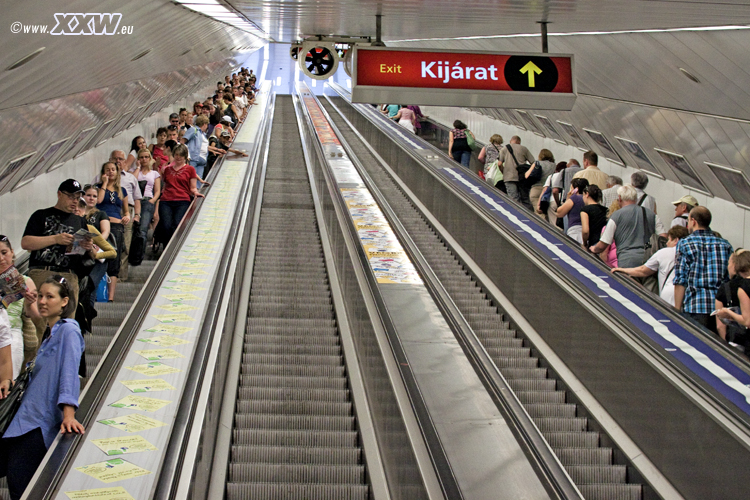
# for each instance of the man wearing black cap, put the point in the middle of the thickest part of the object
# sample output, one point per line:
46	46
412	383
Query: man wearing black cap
49	238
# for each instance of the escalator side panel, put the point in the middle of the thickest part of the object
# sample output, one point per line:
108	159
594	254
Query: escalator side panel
699	457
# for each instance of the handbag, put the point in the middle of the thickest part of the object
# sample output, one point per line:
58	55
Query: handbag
471	140
736	333
137	249
494	174
545	199
10	405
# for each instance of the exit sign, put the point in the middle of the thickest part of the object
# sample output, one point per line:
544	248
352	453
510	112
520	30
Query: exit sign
463	78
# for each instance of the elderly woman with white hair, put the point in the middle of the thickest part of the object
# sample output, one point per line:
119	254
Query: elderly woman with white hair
629	229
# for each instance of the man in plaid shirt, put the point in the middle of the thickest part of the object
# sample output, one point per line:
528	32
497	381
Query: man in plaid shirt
700	268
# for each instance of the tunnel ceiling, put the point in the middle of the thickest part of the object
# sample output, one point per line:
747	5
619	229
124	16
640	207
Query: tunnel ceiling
287	20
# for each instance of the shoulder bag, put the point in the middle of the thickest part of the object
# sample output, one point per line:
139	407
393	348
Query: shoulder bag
521	168
471	140
736	333
494	174
10	405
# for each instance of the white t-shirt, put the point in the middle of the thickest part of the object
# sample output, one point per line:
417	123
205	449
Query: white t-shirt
663	261
150	177
6	338
679	221
134	154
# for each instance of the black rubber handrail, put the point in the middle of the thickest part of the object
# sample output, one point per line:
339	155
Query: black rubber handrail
56	465
552	473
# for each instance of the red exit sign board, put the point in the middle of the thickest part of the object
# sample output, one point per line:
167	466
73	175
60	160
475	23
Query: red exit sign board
462	78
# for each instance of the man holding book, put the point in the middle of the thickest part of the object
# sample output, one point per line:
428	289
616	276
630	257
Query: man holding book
50	237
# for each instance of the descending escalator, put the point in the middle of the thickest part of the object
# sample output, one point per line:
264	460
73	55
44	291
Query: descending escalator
590	464
294	434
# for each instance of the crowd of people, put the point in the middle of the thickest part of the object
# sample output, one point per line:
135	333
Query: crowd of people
689	266
94	232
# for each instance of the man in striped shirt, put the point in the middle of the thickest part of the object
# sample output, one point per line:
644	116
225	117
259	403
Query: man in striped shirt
700	268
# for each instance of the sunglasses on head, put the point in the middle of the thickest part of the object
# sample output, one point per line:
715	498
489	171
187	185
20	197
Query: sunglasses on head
4	238
59	279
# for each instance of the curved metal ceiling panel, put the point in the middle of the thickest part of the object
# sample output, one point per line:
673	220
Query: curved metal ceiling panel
73	64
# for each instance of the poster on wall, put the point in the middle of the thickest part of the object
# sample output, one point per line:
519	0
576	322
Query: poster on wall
683	170
735	182
642	160
574	136
42	162
12	168
550	129
605	147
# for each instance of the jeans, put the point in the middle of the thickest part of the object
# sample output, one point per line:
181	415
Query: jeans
147	213
170	215
199	165
20	458
463	157
96	275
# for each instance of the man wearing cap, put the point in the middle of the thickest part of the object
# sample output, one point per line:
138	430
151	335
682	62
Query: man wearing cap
49	239
682	208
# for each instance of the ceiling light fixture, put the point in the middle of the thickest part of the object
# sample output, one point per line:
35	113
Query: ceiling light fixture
689	75
141	55
25	59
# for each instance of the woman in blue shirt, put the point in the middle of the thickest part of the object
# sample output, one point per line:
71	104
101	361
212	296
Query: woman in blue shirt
51	398
113	200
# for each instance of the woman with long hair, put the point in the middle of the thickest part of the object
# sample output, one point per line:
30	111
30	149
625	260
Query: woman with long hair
149	180
50	401
136	145
458	145
113	200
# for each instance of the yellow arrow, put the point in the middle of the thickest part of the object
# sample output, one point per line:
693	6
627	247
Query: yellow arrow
531	69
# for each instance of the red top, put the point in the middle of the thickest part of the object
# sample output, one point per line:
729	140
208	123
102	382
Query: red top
177	183
160	157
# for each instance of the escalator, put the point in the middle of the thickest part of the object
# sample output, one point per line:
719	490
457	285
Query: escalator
590	464
294	433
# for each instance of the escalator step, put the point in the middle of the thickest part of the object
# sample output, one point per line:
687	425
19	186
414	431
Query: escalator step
293	422
542	410
535	397
305	491
611	491
572	439
286	370
280	359
312	338
291	455
298	382
296	473
295	438
293	393
596	474
584	456
306	349
294	407
561	424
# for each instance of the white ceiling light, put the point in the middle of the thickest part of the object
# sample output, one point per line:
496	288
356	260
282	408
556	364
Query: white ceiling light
207	9
212	2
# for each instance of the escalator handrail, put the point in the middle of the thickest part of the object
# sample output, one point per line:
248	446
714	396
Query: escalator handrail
64	449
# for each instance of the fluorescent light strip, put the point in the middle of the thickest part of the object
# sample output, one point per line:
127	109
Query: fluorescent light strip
208	9
207	2
577	33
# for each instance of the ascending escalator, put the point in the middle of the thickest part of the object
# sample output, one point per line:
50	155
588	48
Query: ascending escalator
295	434
580	449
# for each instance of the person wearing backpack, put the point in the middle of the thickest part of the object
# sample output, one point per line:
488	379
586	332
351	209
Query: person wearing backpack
513	157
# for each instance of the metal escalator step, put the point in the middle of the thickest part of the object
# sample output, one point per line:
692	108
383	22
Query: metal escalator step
532	397
297	324
296	473
269	299
312	339
289	348
286	370
509	352
280	359
293	422
572	439
515	362
551	410
291	455
297	310
584	456
491	323
334	381
532	385
293	393
595	474
295	438
551	424
611	491
502	342
524	373
277	491
294	407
